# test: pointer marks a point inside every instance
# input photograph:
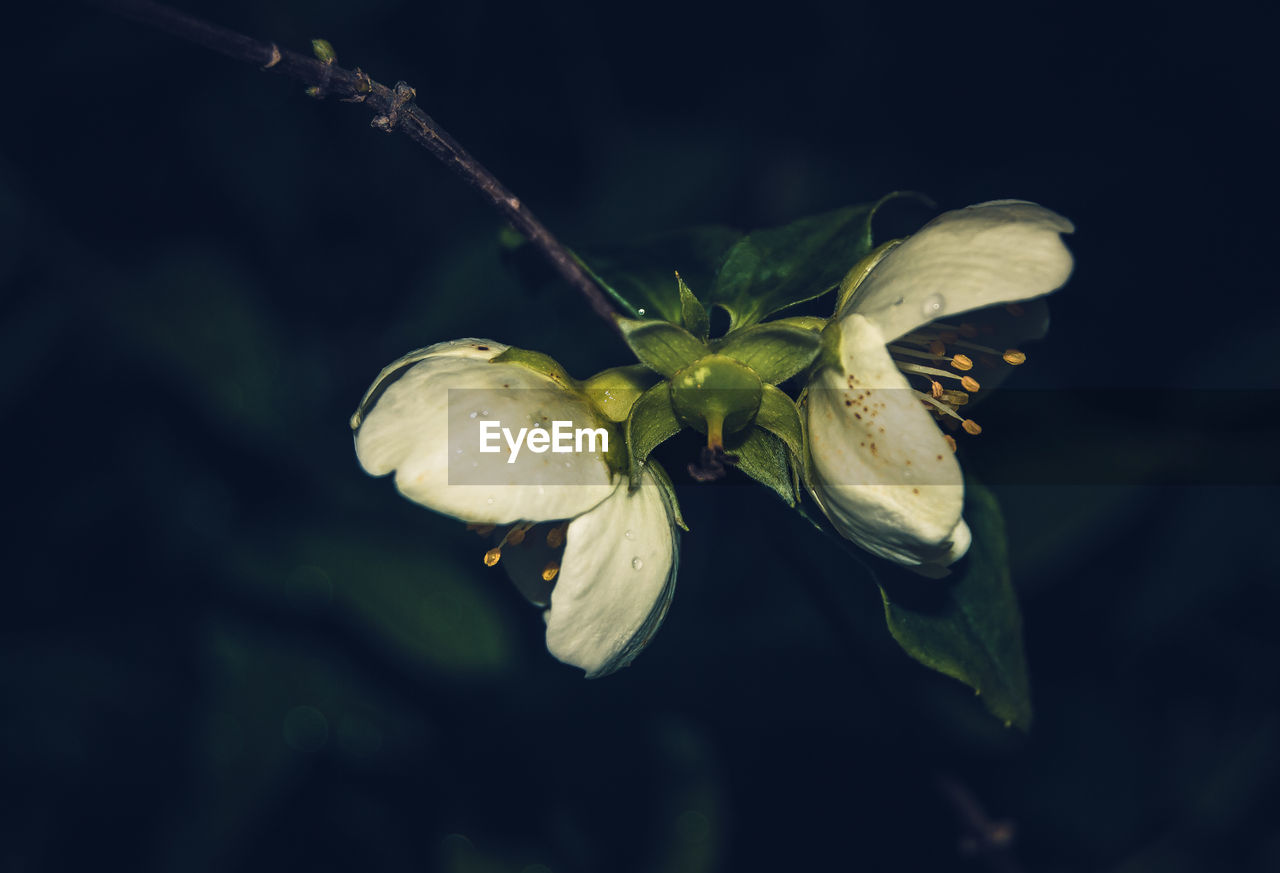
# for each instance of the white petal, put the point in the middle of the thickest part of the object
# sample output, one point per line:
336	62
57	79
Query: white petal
424	423
982	255
882	471
616	580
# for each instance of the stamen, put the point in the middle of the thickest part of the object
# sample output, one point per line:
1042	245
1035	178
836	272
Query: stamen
951	441
483	529
549	572
938	348
1014	357
922	370
935	388
962	362
914	353
493	556
555	536
954	398
516	535
971	427
970	384
941	407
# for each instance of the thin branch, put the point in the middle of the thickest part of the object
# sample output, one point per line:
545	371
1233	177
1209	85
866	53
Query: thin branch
394	111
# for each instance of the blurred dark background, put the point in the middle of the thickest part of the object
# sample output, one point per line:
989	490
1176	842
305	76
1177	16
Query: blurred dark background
225	648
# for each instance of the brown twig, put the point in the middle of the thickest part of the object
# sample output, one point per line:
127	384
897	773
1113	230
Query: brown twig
394	111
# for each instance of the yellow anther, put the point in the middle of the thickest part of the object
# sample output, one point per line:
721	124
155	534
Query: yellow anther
493	556
483	529
935	388
937	348
970	384
955	398
971	427
516	535
951	441
1015	310
962	362
549	572
1014	357
555	536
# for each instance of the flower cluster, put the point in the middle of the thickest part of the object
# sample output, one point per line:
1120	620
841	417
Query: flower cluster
593	536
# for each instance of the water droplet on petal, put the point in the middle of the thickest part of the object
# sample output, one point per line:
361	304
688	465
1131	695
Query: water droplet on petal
629	535
932	305
473	414
640	311
636	563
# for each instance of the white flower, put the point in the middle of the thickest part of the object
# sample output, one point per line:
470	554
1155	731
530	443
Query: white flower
883	471
609	589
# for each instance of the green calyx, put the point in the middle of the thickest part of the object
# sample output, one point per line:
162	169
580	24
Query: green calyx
716	395
615	391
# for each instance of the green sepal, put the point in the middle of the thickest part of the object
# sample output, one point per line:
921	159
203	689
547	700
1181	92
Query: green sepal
660	345
779	416
693	315
763	457
539	363
615	391
854	278
652	422
664	482
775	350
967	625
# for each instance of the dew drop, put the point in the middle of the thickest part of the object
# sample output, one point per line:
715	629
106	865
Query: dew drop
629	535
636	563
932	305
473	414
640	311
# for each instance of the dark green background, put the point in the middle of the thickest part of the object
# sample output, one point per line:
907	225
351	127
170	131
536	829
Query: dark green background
224	647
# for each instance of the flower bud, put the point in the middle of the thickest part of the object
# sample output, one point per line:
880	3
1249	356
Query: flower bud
716	395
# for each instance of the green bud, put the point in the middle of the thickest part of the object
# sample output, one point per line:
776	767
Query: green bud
323	51
716	395
615	391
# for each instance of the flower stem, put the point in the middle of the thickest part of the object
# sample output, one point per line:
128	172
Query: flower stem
395	111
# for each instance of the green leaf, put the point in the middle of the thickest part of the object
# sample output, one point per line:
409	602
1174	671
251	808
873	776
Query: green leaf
776	351
660	345
779	416
640	273
967	625
651	423
772	269
536	361
763	457
693	314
